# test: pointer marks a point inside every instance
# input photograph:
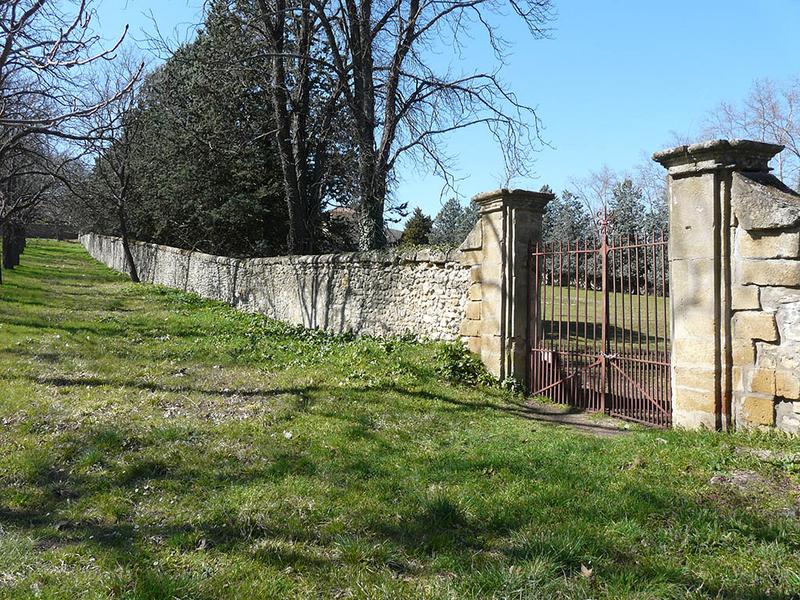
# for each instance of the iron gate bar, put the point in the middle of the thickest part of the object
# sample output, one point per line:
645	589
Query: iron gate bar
639	387
565	346
568	377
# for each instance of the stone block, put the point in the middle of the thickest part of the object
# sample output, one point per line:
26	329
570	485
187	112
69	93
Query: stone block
474	239
758	410
745	297
773	272
471	257
688	399
788	357
767	244
692	321
737	378
693	351
787	417
788	320
787	385
743	352
762	381
473	344
470	328
691	213
473	310
692	285
475	292
475	274
762	202
492	354
695	378
755	325
767	355
688	419
772	298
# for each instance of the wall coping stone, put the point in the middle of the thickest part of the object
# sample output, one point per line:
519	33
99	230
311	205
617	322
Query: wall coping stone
762	201
745	155
383	257
513	198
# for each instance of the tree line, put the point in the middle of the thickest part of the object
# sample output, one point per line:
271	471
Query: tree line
243	139
280	127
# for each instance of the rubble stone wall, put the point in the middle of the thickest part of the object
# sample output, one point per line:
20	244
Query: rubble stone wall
422	292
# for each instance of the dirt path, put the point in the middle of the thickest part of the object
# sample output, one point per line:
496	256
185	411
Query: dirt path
595	424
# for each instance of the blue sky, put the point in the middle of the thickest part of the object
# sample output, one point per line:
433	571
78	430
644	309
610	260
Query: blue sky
614	83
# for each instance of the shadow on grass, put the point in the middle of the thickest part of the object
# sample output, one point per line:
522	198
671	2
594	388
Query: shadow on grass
420	525
385	492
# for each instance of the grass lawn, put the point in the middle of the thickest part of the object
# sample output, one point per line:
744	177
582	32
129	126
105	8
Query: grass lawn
637	323
154	445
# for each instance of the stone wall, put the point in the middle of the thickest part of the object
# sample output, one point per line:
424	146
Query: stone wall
766	303
376	293
477	293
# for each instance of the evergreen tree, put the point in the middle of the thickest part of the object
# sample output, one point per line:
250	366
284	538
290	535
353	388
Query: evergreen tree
657	217
627	212
453	223
418	229
206	169
566	219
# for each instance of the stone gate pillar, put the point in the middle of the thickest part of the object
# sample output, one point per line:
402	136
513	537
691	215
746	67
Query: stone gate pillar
700	247
497	251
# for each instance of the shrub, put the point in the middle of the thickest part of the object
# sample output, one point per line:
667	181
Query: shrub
455	363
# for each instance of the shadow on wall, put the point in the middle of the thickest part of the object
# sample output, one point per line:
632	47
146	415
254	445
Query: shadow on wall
421	292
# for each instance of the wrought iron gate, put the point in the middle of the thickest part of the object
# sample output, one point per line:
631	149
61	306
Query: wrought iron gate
600	325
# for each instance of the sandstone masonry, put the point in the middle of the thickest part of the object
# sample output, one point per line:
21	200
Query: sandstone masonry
735	287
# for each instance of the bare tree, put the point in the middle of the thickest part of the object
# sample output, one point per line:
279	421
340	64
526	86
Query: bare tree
401	104
29	185
769	113
379	57
116	130
597	192
306	100
45	48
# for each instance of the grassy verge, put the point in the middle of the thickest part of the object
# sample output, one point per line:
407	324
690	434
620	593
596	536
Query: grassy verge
154	445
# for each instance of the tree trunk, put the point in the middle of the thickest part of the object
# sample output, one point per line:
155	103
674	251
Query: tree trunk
13	244
372	184
289	136
126	247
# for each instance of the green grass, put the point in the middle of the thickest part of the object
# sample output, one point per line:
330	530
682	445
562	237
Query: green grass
154	445
636	322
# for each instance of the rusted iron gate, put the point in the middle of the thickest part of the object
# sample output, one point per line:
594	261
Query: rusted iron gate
600	325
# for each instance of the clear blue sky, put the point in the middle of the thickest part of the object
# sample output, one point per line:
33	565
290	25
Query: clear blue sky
613	83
